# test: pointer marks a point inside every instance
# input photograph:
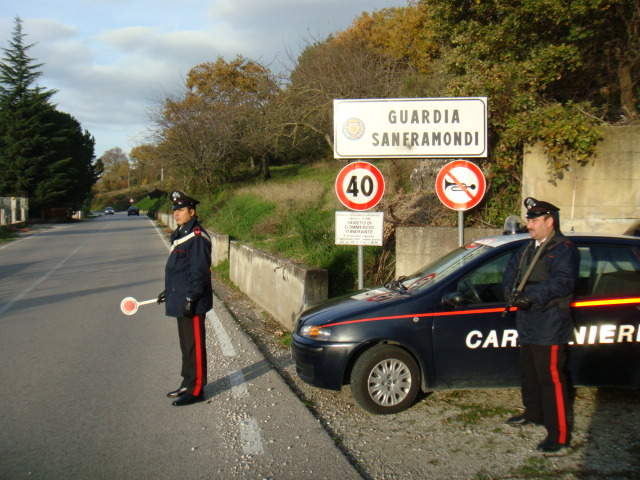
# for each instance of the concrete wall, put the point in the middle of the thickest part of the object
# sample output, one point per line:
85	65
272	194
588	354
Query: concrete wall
417	247
219	248
281	287
13	210
602	196
167	219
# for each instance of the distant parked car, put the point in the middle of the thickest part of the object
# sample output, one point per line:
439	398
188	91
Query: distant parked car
109	211
133	211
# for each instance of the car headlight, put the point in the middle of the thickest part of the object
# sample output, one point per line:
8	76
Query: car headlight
314	332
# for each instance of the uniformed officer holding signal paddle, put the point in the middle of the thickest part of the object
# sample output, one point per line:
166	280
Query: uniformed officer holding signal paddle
188	296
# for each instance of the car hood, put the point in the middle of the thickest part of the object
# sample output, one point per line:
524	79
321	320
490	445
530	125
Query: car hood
353	306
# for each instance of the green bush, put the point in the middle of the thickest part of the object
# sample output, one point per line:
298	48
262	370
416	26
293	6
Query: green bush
238	216
308	236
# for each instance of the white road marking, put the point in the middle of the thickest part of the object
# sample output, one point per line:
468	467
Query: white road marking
250	437
225	342
238	386
159	232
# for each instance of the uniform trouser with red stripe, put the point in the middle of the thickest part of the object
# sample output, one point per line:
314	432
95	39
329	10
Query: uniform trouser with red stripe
544	388
194	353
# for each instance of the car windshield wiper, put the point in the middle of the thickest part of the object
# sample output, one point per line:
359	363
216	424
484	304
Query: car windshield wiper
397	285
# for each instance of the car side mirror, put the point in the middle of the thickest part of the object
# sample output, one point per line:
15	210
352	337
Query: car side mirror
455	299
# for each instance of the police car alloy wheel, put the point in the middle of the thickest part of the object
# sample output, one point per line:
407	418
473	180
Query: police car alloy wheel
385	379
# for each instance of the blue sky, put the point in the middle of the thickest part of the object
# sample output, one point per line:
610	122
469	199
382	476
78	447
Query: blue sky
113	61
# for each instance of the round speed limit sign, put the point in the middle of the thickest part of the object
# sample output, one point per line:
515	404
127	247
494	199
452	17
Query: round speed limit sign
360	186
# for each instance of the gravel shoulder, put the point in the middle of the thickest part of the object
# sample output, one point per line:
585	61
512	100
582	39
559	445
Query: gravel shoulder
457	434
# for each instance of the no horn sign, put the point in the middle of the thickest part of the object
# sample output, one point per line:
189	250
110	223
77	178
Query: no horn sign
460	185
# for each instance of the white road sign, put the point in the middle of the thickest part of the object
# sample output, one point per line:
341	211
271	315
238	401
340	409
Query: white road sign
359	228
410	127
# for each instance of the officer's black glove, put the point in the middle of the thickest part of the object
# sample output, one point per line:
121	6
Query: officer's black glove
522	302
162	297
506	293
187	310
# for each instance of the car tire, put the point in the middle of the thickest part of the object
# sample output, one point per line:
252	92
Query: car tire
385	379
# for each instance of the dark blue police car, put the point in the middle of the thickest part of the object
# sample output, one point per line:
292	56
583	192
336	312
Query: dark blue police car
443	328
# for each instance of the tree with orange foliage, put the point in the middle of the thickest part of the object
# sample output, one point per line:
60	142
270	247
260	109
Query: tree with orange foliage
406	34
147	164
221	124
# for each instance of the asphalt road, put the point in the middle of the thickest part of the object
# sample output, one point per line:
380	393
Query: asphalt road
84	386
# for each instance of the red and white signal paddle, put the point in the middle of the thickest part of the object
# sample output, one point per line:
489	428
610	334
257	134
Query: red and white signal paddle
129	305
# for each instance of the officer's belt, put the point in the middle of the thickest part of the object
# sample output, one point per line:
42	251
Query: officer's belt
188	237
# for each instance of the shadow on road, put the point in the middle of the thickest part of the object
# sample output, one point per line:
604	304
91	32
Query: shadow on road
235	379
612	448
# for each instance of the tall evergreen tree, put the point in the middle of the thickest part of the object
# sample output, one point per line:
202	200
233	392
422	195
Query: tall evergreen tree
24	145
44	154
70	168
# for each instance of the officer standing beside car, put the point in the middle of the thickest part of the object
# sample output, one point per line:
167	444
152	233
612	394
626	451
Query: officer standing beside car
189	296
549	265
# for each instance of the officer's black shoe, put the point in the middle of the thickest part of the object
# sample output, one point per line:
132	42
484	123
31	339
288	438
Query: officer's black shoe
519	421
550	445
177	393
187	399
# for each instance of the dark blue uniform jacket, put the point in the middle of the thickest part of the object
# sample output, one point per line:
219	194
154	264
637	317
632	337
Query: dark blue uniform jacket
188	270
549	287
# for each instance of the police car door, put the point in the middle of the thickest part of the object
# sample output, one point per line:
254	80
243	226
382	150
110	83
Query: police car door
474	345
606	349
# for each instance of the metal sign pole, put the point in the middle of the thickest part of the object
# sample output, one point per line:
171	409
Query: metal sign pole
460	228
360	267
360	186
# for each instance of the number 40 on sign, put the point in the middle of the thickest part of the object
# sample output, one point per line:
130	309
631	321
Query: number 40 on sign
360	186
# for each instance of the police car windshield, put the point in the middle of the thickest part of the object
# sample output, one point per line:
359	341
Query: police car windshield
443	268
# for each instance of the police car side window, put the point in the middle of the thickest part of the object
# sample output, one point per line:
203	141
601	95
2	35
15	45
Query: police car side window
583	282
608	271
484	284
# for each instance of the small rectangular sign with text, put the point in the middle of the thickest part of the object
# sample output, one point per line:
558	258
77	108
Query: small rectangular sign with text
359	228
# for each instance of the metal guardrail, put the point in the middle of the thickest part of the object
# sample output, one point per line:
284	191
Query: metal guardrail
13	210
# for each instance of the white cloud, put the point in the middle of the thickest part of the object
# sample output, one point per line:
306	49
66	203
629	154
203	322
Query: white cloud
241	8
181	47
49	30
112	60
